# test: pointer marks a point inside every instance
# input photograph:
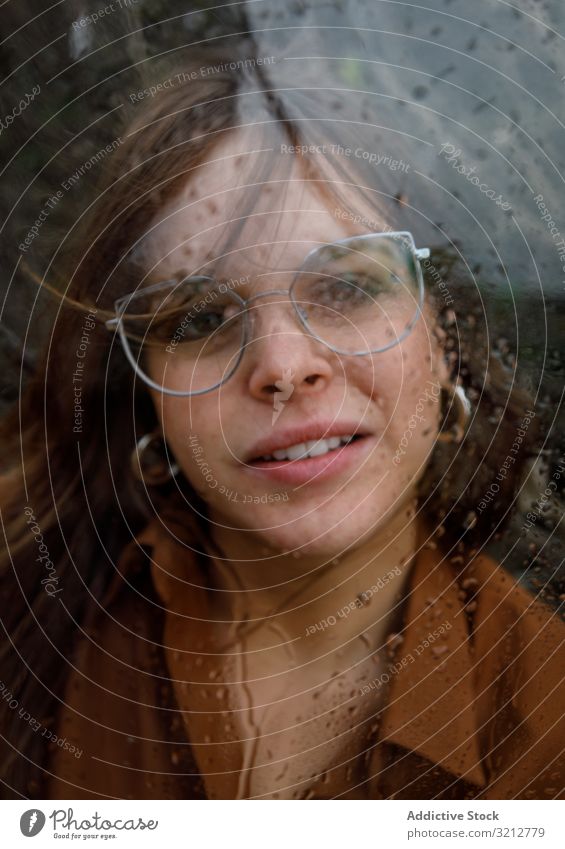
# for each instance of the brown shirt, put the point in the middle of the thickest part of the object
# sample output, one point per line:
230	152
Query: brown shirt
474	692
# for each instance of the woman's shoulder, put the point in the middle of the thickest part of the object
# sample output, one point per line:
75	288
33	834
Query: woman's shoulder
477	688
502	596
482	582
119	711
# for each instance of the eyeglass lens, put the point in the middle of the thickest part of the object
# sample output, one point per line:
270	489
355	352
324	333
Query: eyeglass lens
356	297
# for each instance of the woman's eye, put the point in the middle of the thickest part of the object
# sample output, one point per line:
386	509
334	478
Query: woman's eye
372	284
349	289
206	323
329	291
187	328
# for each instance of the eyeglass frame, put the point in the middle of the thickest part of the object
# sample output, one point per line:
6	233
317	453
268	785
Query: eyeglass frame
116	323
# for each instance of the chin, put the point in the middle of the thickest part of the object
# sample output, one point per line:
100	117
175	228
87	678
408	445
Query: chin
328	545
313	532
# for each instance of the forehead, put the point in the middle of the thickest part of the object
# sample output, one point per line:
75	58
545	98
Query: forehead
250	210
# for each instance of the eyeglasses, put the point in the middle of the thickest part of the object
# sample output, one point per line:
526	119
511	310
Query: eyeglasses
357	296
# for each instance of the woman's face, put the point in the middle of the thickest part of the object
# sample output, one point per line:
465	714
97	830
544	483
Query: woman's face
289	388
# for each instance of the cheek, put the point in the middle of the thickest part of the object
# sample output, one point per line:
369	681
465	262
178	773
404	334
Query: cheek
173	417
394	379
415	410
404	385
190	431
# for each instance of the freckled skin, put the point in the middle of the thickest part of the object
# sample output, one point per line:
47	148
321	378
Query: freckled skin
380	392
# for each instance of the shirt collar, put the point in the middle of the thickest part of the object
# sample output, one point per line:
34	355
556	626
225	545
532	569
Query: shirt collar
430	707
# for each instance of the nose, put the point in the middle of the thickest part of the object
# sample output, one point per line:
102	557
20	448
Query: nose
281	356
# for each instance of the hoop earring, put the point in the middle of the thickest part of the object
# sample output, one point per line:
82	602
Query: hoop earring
463	415
148	461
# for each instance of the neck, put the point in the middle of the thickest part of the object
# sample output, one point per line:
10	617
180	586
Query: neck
359	586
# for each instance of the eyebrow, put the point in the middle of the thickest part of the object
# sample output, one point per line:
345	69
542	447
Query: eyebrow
244	280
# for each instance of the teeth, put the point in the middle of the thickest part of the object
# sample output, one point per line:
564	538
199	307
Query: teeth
312	448
296	451
318	447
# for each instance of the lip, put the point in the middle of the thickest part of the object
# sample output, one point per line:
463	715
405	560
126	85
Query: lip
306	432
301	471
